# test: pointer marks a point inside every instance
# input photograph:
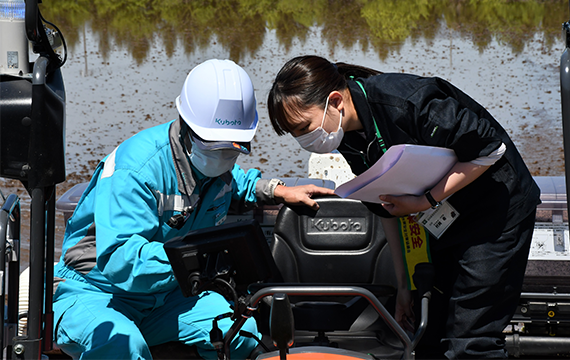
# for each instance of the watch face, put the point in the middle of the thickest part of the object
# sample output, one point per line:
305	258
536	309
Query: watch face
13	60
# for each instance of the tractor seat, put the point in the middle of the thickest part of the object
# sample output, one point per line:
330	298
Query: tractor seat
342	243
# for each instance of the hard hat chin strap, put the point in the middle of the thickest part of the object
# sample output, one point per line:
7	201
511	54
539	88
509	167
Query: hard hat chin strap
185	132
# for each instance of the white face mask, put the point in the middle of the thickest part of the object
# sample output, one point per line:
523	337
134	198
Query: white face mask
319	141
213	163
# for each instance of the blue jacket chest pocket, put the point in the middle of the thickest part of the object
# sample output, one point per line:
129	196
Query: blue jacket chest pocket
218	211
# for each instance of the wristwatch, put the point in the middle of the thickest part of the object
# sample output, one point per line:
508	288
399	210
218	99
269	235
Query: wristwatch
273	183
434	204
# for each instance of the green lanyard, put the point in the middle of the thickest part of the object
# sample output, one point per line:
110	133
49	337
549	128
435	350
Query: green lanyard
378	135
415	249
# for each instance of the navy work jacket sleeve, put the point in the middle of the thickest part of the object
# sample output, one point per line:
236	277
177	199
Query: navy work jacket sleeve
427	111
410	109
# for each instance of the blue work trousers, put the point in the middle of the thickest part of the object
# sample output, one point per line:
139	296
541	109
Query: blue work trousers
91	324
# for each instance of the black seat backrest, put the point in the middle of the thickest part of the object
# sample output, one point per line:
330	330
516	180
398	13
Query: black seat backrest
342	242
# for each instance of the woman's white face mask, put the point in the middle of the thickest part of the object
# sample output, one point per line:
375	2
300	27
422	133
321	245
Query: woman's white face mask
213	163
319	141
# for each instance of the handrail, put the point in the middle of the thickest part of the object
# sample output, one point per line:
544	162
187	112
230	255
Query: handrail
321	291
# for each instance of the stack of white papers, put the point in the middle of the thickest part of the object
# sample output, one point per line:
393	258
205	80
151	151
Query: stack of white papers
403	170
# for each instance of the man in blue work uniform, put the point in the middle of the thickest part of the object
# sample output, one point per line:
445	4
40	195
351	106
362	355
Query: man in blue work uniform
116	292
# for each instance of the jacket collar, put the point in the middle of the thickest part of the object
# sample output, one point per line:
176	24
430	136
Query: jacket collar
370	147
362	109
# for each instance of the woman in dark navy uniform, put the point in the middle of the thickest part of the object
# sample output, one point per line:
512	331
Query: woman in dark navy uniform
481	258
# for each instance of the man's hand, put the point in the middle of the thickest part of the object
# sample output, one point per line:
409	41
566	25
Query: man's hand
300	195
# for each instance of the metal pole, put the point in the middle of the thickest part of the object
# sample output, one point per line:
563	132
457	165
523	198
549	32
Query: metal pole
565	94
49	260
537	346
37	246
38	217
29	347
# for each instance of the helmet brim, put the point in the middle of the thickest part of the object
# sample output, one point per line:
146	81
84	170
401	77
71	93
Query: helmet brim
241	147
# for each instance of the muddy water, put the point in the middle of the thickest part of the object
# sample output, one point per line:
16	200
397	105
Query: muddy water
113	91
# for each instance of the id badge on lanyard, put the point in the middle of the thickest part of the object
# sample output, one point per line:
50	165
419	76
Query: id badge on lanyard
437	220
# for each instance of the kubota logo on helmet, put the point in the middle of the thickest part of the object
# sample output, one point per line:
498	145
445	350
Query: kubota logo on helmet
337	225
226	122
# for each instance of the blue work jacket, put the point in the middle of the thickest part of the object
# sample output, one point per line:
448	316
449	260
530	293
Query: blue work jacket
114	240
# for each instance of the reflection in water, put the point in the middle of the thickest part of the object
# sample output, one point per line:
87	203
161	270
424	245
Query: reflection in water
239	25
86	70
128	60
135	53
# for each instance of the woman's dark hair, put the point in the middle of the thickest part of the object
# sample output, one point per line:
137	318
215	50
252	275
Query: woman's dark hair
306	81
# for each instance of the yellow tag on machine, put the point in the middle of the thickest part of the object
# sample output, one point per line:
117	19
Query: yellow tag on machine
415	246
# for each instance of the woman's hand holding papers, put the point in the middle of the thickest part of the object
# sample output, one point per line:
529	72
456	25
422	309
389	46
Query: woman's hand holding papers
460	175
404	204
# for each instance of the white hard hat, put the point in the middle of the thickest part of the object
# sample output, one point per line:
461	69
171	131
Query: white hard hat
218	102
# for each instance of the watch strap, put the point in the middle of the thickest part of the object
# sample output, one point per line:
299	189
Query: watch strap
431	200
